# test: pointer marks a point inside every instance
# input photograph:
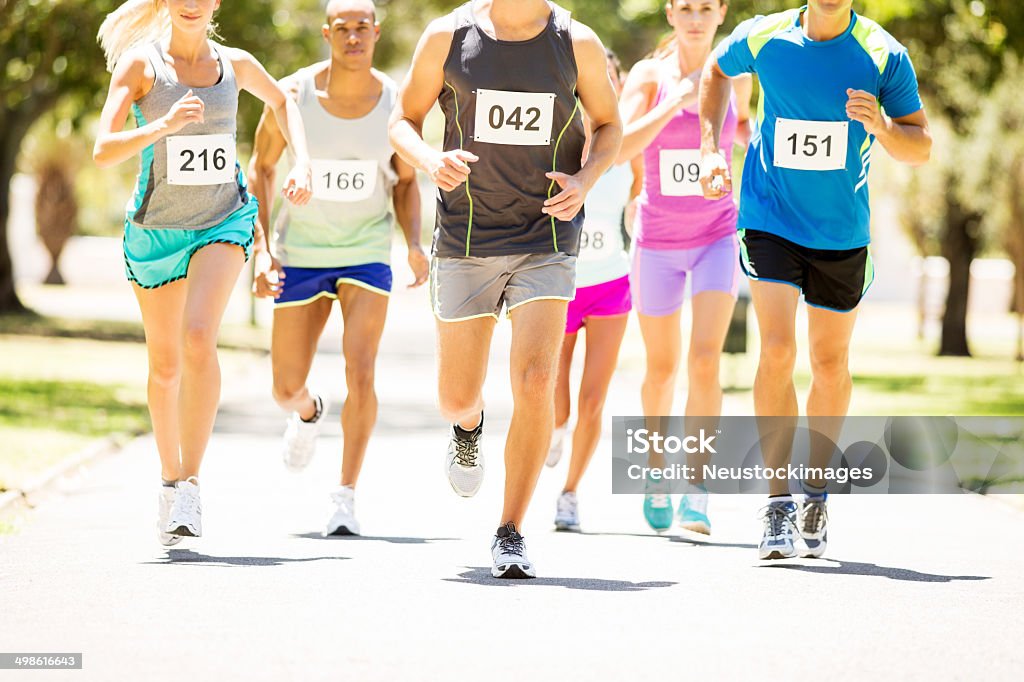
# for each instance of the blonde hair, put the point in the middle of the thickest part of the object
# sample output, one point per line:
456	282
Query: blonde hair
134	23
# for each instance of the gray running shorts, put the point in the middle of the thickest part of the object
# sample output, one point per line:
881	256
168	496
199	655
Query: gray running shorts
467	288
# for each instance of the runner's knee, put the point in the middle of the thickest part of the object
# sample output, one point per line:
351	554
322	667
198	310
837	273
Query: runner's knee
702	366
778	355
200	341
535	380
591	404
830	368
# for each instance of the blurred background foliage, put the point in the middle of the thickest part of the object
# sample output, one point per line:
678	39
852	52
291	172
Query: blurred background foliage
968	54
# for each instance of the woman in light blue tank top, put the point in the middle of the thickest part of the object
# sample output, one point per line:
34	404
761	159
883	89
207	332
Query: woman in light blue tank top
189	224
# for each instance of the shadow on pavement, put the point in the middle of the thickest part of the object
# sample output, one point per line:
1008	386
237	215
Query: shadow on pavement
861	568
186	557
697	542
675	538
356	538
478	575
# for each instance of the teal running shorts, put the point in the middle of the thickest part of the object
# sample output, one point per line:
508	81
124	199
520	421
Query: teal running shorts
155	257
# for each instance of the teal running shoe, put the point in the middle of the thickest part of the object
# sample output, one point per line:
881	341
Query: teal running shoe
693	513
658	511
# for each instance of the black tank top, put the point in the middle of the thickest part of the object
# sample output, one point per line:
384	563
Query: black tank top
514	105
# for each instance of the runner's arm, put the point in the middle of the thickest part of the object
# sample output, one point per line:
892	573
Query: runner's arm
906	138
641	121
418	94
254	78
599	101
267	148
744	87
715	87
129	82
406	198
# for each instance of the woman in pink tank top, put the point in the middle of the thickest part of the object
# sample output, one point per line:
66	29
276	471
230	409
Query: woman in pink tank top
680	236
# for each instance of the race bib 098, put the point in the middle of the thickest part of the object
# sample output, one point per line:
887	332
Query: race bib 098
348	181
520	118
201	159
811	145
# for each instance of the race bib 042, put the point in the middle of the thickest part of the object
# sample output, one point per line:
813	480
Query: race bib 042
200	159
811	145
347	181
520	118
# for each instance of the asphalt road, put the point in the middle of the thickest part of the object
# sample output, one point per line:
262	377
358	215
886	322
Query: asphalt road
913	587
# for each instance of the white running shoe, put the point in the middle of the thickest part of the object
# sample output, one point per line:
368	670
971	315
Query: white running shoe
464	464
300	437
186	517
814	526
778	541
164	503
508	549
693	512
567	515
342	520
557	445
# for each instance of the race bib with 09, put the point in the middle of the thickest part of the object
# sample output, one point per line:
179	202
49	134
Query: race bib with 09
521	118
201	159
351	180
811	145
680	172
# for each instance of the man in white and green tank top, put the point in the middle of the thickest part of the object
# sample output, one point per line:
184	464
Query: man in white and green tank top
339	245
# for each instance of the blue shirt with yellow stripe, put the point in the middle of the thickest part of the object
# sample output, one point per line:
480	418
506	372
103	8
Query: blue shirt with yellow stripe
797	183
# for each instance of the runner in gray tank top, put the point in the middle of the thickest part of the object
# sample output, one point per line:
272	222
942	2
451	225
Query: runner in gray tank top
189	224
339	245
512	77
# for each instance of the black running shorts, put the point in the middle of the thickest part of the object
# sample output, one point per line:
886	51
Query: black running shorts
836	280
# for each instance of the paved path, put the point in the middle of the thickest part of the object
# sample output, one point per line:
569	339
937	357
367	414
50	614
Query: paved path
923	587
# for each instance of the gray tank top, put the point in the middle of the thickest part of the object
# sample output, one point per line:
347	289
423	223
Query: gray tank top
199	183
348	221
514	105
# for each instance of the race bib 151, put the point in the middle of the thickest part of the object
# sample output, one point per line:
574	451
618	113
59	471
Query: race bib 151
811	145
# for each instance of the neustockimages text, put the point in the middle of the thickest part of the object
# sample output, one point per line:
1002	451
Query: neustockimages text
684	472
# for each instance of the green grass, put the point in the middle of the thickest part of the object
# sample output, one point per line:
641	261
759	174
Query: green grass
67	384
233	337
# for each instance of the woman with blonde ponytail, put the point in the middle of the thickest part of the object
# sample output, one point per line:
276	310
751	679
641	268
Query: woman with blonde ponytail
190	221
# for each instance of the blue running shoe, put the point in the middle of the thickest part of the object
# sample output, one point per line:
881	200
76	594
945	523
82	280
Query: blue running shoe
658	511
693	513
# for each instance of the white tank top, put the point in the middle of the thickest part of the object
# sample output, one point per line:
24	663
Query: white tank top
349	220
602	256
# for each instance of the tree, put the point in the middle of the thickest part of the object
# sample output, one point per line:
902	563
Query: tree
49	52
994	176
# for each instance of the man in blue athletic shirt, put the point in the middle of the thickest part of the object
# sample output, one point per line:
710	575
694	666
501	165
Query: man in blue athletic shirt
832	83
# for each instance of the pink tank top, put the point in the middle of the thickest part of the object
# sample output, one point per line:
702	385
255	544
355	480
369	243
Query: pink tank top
673	213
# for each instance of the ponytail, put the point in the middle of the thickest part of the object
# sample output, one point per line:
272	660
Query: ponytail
134	23
665	47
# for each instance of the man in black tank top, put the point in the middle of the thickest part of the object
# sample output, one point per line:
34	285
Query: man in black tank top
512	78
